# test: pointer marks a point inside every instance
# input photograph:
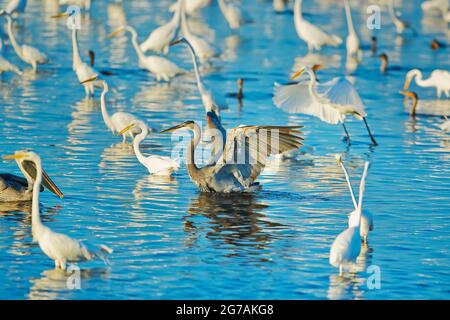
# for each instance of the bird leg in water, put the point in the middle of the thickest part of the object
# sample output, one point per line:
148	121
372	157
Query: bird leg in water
347	136
370	133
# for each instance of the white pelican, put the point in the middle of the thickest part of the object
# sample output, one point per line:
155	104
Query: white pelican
58	247
314	37
347	245
15	6
330	101
156	165
352	41
437	107
440	79
162	68
400	25
366	216
244	155
6	66
234	14
159	39
26	53
14	188
192	6
118	120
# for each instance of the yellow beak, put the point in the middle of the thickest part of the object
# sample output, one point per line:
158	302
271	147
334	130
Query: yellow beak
89	79
298	73
125	129
115	32
407	84
60	15
14	156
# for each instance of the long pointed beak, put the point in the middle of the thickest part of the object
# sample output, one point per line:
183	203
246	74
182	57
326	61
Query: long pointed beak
13	156
115	32
121	132
174	128
406	93
338	158
176	42
407	84
48	183
89	79
298	73
60	15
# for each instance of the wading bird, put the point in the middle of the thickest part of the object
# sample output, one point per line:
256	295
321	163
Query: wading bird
243	158
234	14
15	6
86	4
352	41
330	101
58	247
161	68
416	106
384	66
314	37
399	24
156	165
14	188
159	39
26	53
366	216
445	126
118	120
6	66
440	79
347	245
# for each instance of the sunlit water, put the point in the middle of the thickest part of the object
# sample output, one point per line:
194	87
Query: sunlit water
173	242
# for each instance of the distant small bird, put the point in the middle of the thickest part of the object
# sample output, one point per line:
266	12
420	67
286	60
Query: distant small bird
239	94
436	45
235	15
384	67
373	45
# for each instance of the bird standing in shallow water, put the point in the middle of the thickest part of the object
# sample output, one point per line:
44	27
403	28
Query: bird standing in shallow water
440	79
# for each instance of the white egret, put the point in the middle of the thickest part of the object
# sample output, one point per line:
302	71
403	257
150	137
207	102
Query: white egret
26	53
441	6
57	246
160	67
15	6
433	107
234	14
6	66
347	245
156	165
192	6
314	36
352	41
118	120
159	39
399	24
440	79
330	101
366	216
244	155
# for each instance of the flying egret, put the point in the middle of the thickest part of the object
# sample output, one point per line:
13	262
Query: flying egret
314	37
243	158
347	245
58	247
160	67
416	106
159	39
156	165
6	66
330	101
15	6
440	79
192	6
352	41
366	216
234	14
400	25
14	188
118	120
26	53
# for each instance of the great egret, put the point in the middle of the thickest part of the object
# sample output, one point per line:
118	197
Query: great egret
159	39
6	66
366	216
243	158
192	6
426	107
352	41
14	188
156	165
162	68
330	101
399	24
15	6
314	37
26	53
57	246
118	120
440	79
234	14
347	245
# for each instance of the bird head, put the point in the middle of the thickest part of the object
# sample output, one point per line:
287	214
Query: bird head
185	125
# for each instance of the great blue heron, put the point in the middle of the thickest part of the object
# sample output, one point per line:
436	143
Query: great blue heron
14	188
244	155
329	101
347	245
58	247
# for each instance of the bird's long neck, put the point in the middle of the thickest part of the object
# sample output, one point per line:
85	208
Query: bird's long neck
76	53
184	25
14	43
35	215
240	93
176	19
423	82
415	102
200	84
312	85
136	143
362	187
190	161
392	10
222	5
105	115
347	178
348	13
134	41
298	10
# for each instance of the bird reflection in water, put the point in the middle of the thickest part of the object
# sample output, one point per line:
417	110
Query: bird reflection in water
81	124
116	157
145	186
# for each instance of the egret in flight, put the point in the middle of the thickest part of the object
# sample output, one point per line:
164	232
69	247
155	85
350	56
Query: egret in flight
366	216
15	6
6	66
57	246
347	245
331	101
26	53
234	14
156	165
426	107
314	36
162	68
14	188
352	41
118	120
159	39
244	155
440	79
